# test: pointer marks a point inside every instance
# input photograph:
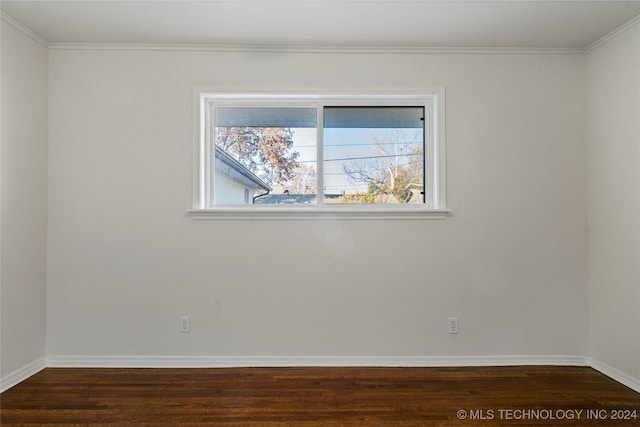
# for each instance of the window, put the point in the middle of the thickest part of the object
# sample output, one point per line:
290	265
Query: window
307	155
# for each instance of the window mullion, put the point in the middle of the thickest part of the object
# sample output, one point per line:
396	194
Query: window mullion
320	156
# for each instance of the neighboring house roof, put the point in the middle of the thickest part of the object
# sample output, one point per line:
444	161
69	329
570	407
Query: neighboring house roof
238	171
293	199
286	199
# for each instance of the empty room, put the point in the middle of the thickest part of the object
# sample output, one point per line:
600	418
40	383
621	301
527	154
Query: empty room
320	213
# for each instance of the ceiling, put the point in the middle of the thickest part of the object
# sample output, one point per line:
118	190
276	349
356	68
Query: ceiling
327	23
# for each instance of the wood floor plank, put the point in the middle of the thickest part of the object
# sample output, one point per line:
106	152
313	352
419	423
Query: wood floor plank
311	397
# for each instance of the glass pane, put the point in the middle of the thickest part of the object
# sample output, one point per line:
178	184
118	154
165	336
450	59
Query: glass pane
264	156
374	155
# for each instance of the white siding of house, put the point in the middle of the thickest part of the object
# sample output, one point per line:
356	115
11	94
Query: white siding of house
228	191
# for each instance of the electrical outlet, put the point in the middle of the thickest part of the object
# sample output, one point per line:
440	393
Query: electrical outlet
453	325
185	324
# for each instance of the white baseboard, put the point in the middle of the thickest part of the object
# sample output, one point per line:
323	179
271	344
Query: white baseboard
615	374
21	374
300	361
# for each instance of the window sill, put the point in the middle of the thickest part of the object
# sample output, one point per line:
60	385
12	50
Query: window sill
237	213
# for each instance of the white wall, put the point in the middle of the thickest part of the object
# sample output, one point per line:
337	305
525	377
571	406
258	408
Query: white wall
24	200
613	117
125	261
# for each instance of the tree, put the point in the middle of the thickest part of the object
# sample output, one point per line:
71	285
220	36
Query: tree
266	151
304	181
396	172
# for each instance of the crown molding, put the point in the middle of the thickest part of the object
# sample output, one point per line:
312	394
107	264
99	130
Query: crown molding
613	34
24	29
317	49
312	49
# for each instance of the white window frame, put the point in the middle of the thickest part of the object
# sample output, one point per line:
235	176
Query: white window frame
432	98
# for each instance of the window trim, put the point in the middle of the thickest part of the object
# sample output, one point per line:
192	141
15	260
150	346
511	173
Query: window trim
435	181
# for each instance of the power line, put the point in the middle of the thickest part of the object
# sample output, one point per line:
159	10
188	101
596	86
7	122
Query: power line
360	145
359	158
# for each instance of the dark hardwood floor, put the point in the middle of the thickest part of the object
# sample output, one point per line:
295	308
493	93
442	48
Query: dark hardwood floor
491	396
